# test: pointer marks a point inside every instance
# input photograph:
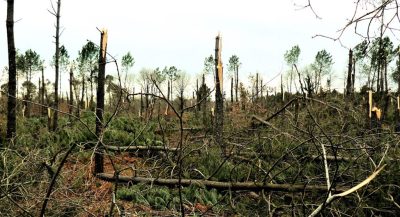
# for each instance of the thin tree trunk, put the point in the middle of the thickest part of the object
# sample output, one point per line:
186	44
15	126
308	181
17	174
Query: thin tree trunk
98	157
57	67
349	72
386	80
237	84
147	100
39	96
282	91
42	93
232	90
219	102
71	93
398	75
257	87
12	72
168	92
141	104
91	102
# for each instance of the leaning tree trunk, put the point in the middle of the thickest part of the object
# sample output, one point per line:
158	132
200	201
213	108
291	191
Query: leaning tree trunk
12	72
349	72
219	102
98	157
57	67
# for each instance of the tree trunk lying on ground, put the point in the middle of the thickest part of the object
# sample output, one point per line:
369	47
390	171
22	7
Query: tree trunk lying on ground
252	186
190	129
139	148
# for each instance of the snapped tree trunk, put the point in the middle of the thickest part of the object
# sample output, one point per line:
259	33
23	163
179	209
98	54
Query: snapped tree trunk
12	72
252	186
219	102
98	157
57	67
349	72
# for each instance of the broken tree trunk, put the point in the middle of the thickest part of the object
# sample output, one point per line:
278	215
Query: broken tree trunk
139	148
57	68
98	157
253	186
219	101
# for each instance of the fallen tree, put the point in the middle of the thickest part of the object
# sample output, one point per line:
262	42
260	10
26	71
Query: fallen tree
139	148
251	186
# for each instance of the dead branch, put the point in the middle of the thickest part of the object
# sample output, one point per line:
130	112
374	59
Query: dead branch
331	198
276	113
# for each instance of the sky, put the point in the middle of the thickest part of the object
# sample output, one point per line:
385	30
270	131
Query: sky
182	33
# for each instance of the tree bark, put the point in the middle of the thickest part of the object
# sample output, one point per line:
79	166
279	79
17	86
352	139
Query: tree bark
257	87
349	72
219	102
253	186
98	157
398	75
42	93
232	90
353	77
57	67
12	73
82	103
71	92
386	80
141	104
237	84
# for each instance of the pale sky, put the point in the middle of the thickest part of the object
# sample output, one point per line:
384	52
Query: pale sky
162	33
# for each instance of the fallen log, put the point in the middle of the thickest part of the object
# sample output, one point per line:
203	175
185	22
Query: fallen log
251	186
190	129
139	148
332	158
